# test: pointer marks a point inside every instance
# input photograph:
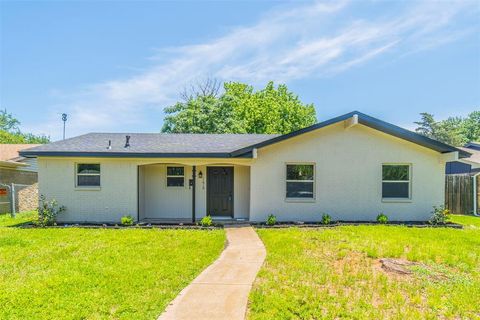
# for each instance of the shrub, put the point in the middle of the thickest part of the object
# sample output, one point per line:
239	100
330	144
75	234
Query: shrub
326	219
440	215
206	221
48	211
127	221
381	218
271	220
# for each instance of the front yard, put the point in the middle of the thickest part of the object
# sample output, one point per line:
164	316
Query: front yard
75	273
335	273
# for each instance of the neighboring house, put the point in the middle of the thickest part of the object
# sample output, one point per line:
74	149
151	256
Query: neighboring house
20	171
469	165
352	167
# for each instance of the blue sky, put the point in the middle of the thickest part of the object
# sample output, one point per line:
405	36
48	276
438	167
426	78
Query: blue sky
114	66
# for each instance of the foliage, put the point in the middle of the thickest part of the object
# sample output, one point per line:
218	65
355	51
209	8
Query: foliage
206	221
271	220
326	219
239	109
440	215
48	211
127	220
80	273
455	131
382	218
8	122
333	273
10	131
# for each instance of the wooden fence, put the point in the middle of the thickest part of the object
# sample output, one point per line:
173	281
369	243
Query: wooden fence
459	193
477	181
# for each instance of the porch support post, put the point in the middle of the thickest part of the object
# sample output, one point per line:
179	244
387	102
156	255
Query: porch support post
194	174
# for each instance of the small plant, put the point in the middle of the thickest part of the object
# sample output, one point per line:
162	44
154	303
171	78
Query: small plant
48	211
271	220
326	219
206	221
127	221
440	215
381	218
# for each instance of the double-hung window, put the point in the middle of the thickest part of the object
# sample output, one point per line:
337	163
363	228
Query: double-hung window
88	175
175	176
396	181
300	181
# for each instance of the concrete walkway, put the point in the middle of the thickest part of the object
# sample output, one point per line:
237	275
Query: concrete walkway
221	290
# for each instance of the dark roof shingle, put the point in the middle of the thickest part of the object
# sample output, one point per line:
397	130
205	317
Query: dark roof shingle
150	143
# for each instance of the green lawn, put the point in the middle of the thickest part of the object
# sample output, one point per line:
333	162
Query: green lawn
334	273
97	273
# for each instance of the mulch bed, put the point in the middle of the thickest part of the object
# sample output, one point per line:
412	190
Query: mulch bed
410	224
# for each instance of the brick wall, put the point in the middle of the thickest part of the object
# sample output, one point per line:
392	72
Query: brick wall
27	198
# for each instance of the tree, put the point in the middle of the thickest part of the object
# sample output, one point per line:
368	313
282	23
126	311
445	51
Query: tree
8	122
10	131
239	109
455	131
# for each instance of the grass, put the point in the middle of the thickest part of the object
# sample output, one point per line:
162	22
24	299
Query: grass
73	273
334	273
6	219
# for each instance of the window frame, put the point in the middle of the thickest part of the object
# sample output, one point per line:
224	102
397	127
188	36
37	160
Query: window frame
173	176
296	199
88	187
409	181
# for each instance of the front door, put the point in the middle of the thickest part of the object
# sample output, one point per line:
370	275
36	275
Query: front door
220	191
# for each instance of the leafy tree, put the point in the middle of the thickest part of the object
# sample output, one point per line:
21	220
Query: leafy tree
239	110
471	127
10	131
8	122
455	131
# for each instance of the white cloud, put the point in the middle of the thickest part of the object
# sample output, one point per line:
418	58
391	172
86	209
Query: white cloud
314	39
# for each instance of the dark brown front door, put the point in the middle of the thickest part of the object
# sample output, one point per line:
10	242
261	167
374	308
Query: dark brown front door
220	191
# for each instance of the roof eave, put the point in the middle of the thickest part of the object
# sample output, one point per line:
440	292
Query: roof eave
31	154
368	121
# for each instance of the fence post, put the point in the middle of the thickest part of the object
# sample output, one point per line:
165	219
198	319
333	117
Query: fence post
13	200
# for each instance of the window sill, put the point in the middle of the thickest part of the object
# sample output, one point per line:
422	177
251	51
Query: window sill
88	188
396	200
300	200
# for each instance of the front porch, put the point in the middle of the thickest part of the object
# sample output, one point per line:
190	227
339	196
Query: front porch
175	192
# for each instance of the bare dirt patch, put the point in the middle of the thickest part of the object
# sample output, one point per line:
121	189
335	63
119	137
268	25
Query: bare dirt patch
398	266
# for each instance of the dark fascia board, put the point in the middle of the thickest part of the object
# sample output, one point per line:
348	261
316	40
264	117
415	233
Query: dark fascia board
129	154
369	122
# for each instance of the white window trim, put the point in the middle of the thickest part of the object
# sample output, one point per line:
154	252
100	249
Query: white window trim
77	187
409	181
170	176
289	199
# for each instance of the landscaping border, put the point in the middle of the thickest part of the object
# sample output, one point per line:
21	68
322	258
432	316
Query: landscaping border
409	224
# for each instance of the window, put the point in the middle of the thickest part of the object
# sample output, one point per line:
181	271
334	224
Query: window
88	175
300	180
396	181
175	176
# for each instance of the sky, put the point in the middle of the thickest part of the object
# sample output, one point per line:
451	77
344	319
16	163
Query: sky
113	66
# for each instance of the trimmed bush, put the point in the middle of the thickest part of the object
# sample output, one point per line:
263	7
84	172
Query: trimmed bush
326	219
48	212
127	221
271	220
381	218
206	221
439	215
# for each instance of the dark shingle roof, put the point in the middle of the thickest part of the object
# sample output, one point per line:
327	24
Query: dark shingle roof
209	145
150	144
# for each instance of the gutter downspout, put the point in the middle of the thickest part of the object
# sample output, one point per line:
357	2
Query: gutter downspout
194	174
475	204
